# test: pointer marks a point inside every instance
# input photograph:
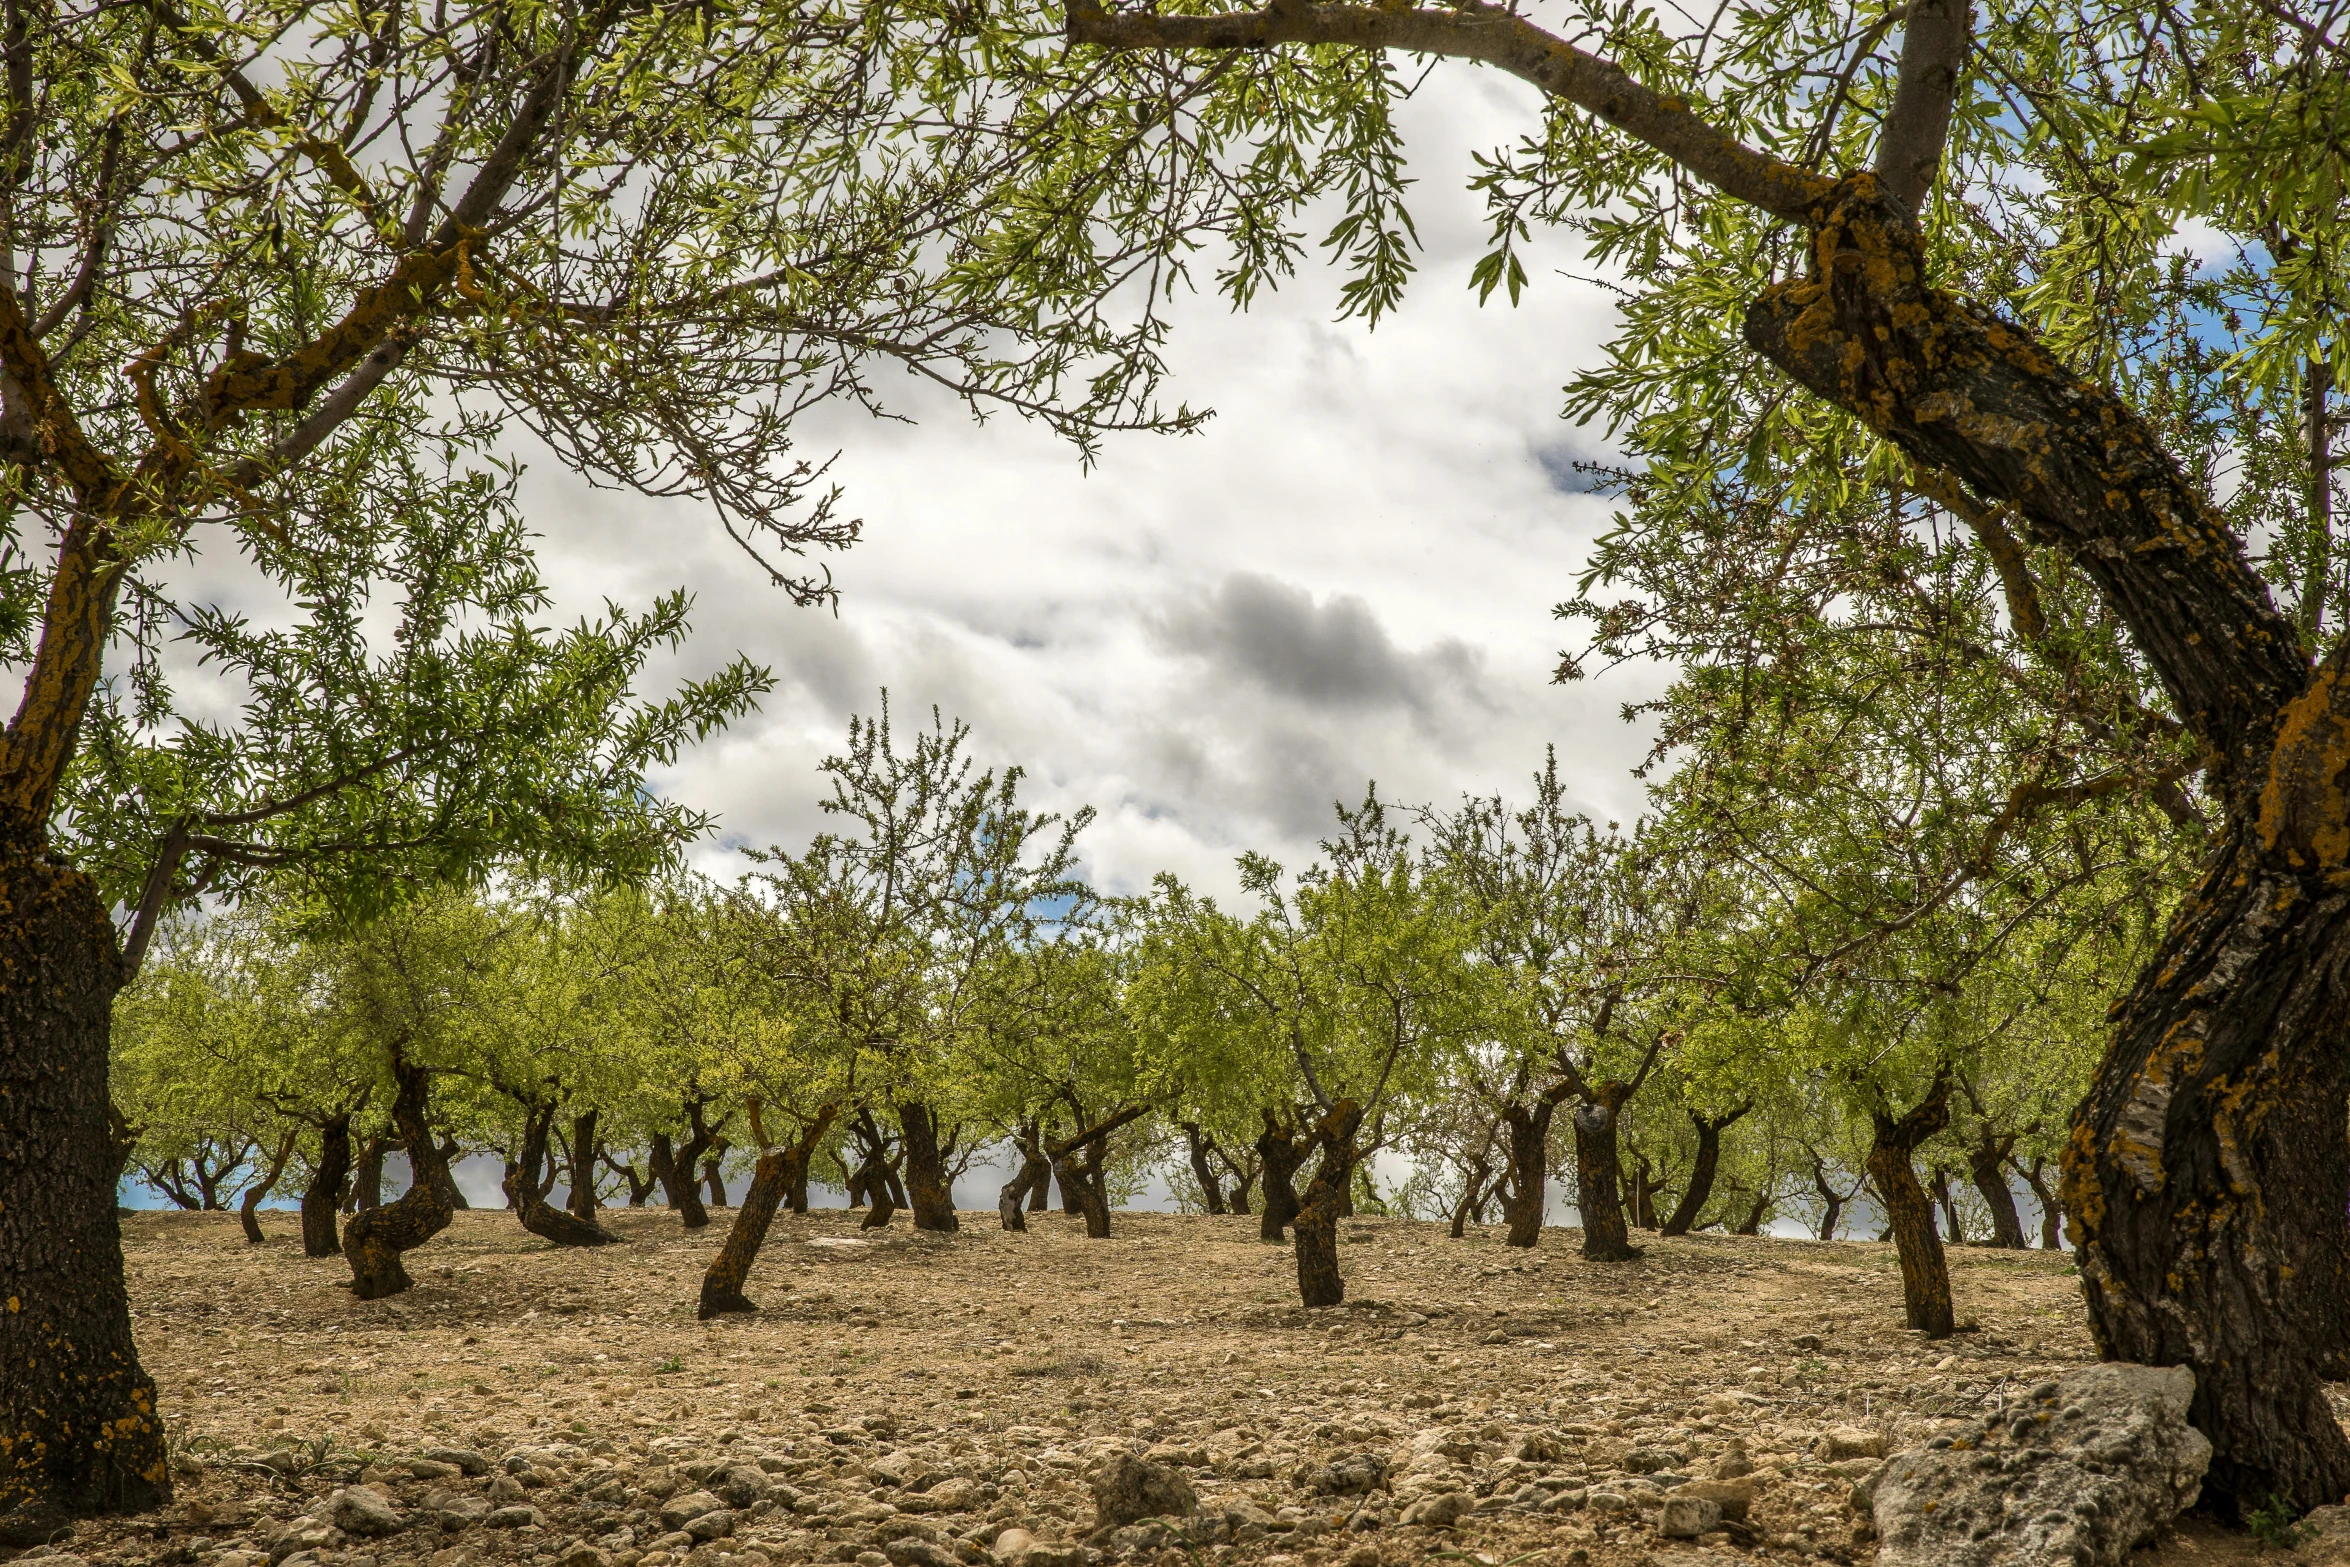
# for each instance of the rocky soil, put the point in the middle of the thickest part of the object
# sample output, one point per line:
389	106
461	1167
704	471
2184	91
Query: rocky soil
912	1400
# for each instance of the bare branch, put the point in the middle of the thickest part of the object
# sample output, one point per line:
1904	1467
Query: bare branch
1909	150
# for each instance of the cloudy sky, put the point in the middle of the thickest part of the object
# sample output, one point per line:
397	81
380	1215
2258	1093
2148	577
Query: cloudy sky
1209	639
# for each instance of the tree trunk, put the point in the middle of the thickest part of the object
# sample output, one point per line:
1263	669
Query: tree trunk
928	1191
1036	1172
82	1434
1987	1169
1752	1223
1599	1177
1318	1280
375	1238
714	1173
323	1196
1244	1175
449	1152
1279	1154
1202	1148
2051	1215
1644	1190
778	1169
2208	1167
525	1193
1948	1203
1529	1168
674	1168
1701	1173
583	1167
367	1177
260	1190
1925	1272
1831	1201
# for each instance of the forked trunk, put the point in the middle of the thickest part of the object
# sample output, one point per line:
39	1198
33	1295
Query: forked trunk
1279	1153
1925	1271
1701	1173
1529	1168
1599	1177
1948	1203
1244	1175
2051	1215
374	1240
722	1285
1318	1280
714	1173
449	1153
929	1193
81	1430
367	1177
324	1193
1831	1202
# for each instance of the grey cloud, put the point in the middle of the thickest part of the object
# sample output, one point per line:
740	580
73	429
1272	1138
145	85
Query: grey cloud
1330	654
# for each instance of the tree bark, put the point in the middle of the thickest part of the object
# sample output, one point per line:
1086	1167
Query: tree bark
1948	1203
1244	1175
778	1168
1319	1282
1599	1176
525	1193
1529	1166
375	1238
259	1190
714	1173
2051	1214
323	1196
1925	1272
583	1167
1831	1201
1701	1173
79	1430
928	1190
1987	1170
1202	1149
1644	1190
1086	1180
1279	1154
367	1176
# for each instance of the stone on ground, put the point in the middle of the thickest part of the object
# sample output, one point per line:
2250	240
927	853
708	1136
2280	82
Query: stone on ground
1127	1489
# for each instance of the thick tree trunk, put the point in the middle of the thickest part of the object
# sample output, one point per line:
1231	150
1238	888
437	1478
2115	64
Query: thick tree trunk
1318	1280
1701	1173
449	1152
1529	1168
1599	1177
929	1192
1987	1170
583	1167
525	1192
1202	1149
1752	1223
1925	1272
674	1169
323	1196
256	1193
374	1239
714	1173
1279	1153
1243	1169
2208	1168
778	1168
79	1429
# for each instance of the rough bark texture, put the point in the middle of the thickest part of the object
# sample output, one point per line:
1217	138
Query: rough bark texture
1925	1272
374	1239
582	1203
1948	1203
79	1431
1987	1171
324	1194
675	1167
1599	1176
1529	1167
1279	1156
2051	1215
367	1175
1701	1173
2208	1167
722	1285
928	1191
1318	1280
714	1173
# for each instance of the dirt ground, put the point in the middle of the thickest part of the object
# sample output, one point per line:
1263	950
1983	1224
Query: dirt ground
903	1399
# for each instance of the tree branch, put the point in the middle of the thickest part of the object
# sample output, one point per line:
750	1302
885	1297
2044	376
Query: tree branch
1487	33
1909	149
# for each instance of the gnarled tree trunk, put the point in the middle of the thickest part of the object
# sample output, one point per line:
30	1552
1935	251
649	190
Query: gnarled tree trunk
324	1194
582	1204
1318	1280
1279	1153
1599	1176
526	1192
1987	1170
1925	1272
249	1204
1202	1149
79	1431
928	1191
1529	1166
722	1285
374	1239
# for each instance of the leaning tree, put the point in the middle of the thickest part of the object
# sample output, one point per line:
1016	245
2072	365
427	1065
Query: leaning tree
1835	213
